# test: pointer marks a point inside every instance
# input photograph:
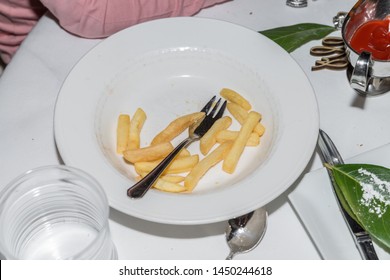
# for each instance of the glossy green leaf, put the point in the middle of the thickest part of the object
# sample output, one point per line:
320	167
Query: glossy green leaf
342	199
366	189
292	37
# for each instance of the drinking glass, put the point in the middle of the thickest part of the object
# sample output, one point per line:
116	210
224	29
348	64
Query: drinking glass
55	212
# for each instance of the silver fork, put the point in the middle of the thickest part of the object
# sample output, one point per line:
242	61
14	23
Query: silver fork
196	132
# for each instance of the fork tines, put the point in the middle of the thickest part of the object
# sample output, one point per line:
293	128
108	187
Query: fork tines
212	114
211	117
221	110
206	108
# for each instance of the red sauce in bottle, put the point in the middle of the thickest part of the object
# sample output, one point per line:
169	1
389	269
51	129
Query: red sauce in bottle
374	37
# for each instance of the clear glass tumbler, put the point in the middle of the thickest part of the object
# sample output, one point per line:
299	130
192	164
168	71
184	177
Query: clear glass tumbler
55	212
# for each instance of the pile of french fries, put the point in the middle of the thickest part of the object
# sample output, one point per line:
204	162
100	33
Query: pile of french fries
218	144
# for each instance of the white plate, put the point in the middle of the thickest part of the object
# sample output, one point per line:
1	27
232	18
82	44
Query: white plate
315	204
172	67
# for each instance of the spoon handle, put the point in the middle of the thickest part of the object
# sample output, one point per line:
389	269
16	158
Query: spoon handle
230	256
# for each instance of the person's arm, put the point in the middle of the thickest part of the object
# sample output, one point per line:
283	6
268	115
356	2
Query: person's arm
17	18
101	18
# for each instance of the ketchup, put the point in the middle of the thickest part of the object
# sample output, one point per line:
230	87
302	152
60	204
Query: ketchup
374	37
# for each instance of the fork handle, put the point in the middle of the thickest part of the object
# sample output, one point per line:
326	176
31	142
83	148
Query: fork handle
141	187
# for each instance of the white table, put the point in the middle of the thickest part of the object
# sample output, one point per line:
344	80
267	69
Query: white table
31	82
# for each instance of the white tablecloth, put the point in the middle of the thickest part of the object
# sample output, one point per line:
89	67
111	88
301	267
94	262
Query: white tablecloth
31	82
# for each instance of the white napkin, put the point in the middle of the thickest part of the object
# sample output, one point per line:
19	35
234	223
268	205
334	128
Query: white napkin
314	201
23	109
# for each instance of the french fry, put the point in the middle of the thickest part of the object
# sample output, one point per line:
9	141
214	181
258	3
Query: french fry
237	112
192	179
209	139
168	178
166	186
176	127
122	133
234	154
229	135
231	144
240	115
149	153
235	98
184	152
136	125
173	178
179	165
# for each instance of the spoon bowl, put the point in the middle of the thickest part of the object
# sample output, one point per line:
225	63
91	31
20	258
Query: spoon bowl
244	233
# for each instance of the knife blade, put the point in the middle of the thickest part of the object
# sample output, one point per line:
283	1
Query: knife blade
362	239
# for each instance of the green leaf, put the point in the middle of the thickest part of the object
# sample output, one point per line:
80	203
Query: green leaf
366	190
341	197
292	37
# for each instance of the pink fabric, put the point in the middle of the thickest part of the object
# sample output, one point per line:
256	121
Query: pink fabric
86	18
17	18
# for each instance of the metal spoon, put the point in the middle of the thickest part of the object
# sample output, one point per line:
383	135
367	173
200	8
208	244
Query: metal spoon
244	233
